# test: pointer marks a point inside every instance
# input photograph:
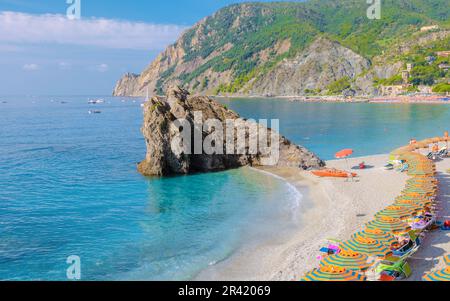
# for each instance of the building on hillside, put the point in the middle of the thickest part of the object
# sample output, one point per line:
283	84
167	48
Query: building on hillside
443	53
425	89
444	67
430	59
392	90
409	67
428	28
405	77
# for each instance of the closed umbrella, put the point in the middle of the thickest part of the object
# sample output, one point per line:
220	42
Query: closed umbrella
333	273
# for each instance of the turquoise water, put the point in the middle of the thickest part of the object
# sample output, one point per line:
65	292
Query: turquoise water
69	186
369	129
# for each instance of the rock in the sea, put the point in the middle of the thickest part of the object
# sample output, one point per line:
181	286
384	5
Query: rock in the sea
167	154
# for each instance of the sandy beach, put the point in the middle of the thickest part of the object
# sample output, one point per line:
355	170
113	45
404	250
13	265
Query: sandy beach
333	208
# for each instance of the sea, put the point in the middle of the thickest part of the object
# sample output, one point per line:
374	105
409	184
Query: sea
69	185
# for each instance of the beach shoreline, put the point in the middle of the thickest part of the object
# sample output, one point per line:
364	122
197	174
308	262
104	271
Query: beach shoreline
342	207
397	99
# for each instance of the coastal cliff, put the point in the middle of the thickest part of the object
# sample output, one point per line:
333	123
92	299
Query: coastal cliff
292	49
166	156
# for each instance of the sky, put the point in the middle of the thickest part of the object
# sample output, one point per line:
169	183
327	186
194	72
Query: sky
45	51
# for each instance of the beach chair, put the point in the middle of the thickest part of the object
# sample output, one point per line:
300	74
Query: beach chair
443	153
404	167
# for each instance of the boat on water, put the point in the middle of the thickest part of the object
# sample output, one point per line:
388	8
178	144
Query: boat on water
333	173
96	101
94	112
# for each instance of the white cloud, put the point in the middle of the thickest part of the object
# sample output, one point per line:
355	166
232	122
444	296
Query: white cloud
30	67
20	28
102	68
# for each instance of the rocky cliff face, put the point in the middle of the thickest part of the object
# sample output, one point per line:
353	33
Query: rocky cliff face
166	155
321	64
286	48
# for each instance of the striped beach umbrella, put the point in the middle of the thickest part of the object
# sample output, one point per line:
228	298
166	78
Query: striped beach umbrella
333	273
389	224
396	212
368	246
386	238
442	275
447	259
347	259
412	205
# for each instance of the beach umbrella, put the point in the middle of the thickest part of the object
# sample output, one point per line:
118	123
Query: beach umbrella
333	273
368	246
446	138
415	207
442	275
389	224
349	260
396	212
447	259
386	238
345	153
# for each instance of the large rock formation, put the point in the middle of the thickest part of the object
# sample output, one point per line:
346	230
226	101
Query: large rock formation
166	155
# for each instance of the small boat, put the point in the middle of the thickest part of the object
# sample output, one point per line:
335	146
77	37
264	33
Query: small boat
94	112
333	173
95	101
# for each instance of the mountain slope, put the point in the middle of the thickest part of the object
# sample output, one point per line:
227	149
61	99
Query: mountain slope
265	48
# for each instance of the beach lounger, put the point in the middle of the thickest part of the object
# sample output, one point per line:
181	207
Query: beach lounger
404	167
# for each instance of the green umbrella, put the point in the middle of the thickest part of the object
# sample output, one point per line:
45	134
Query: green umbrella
396	212
333	273
442	275
349	260
447	259
368	246
388	224
386	238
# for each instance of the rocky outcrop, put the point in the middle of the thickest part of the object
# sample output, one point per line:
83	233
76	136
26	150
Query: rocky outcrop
321	64
166	155
127	85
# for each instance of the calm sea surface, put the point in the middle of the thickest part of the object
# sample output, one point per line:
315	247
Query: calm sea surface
69	186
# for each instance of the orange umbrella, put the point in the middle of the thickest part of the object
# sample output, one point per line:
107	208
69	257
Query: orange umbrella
344	153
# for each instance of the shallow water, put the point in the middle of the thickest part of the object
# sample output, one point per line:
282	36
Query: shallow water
69	186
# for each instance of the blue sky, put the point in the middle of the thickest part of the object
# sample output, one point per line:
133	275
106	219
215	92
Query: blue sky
42	52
